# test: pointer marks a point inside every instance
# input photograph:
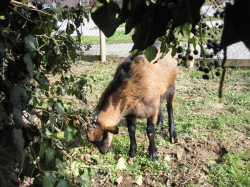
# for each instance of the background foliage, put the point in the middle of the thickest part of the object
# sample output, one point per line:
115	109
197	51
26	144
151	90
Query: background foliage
32	47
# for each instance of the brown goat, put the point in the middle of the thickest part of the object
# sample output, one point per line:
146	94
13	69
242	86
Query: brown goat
136	91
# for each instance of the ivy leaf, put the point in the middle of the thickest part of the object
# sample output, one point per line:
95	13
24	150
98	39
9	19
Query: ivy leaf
51	119
62	183
2	49
84	179
62	169
153	25
59	108
151	52
193	41
186	11
70	29
60	135
30	42
43	148
125	10
69	133
49	154
28	61
235	24
186	29
105	14
18	119
49	179
138	10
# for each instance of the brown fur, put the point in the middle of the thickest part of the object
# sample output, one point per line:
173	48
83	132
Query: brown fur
139	93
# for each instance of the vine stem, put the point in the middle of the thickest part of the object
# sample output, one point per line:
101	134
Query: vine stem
223	73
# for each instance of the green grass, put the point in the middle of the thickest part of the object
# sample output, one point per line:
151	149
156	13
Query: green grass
204	123
233	171
118	37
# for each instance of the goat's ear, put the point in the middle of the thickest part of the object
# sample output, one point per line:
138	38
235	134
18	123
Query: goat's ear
113	130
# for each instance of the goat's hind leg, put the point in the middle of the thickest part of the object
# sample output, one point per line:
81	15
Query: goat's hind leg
170	99
160	119
151	136
131	124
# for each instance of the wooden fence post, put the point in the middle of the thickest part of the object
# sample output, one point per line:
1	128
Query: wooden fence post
190	63
102	46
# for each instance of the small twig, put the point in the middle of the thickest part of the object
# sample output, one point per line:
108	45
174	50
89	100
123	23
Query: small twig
29	6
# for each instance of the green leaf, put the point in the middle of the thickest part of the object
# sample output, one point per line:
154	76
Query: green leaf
133	53
45	117
151	53
70	29
105	14
138	180
133	13
75	167
62	183
2	49
193	41
43	148
60	135
59	108
153	25
186	11
30	42
63	169
186	29
49	154
69	133
18	118
28	61
84	179
51	119
97	159
49	179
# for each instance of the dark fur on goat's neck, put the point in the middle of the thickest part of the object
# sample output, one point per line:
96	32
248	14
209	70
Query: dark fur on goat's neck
121	73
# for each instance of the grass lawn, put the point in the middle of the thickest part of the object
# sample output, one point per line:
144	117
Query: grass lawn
214	135
118	37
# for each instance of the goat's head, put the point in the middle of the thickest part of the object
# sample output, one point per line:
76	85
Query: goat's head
101	137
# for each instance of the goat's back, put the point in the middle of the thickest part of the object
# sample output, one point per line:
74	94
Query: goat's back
141	88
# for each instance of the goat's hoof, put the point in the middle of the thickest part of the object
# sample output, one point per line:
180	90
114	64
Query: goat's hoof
132	154
174	140
153	157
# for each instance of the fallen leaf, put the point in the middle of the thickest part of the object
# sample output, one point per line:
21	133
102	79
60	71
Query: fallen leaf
211	163
179	156
121	164
167	158
138	180
76	122
86	157
118	180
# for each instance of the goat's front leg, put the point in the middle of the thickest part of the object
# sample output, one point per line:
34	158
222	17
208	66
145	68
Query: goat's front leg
151	136
131	124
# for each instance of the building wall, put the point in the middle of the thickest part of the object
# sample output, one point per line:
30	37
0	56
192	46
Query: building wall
74	2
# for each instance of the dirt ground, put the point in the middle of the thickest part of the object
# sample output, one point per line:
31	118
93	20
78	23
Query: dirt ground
191	158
